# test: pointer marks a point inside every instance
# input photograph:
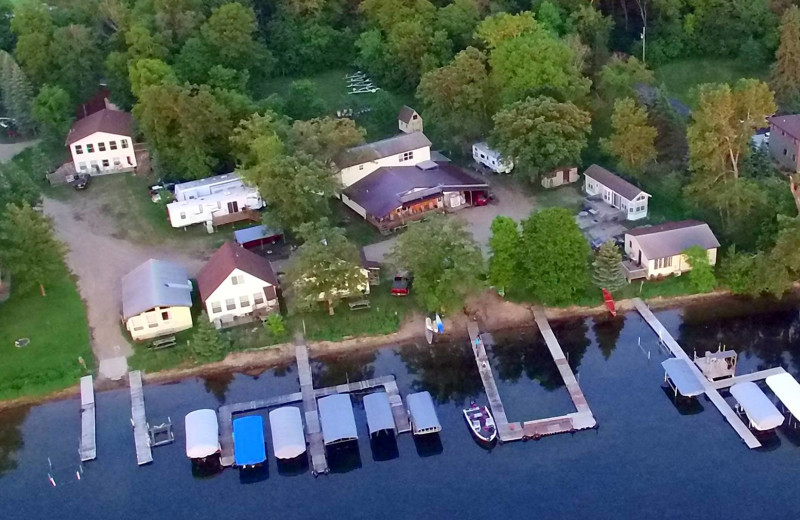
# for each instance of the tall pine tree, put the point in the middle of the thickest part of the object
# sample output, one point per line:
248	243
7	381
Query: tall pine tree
16	92
607	268
206	344
786	70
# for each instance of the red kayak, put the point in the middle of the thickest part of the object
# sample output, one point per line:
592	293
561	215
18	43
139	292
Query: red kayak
609	301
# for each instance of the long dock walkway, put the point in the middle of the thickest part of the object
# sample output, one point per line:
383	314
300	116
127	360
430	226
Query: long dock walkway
709	388
88	447
745	378
141	437
316	445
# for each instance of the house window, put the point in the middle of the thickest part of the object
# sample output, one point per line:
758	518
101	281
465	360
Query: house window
406	156
112	145
258	299
244	301
230	304
360	166
165	315
138	328
216	307
663	262
237	280
90	148
123	142
105	163
183	215
78	149
101	147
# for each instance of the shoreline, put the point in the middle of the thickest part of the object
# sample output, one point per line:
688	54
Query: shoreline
494	314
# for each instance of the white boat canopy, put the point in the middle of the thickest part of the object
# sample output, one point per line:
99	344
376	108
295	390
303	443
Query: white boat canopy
682	376
379	412
423	413
336	416
759	409
786	387
202	434
286	426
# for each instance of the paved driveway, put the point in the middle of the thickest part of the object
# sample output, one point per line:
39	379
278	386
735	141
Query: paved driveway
9	150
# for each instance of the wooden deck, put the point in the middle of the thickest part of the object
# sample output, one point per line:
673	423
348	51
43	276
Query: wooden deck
88	447
710	390
141	437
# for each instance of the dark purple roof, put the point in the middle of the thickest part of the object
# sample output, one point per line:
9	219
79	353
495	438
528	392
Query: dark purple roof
386	189
788	123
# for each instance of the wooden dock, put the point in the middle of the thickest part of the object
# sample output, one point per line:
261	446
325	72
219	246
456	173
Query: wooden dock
316	444
141	437
709	388
88	447
744	378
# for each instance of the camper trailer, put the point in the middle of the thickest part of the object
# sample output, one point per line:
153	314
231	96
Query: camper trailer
490	159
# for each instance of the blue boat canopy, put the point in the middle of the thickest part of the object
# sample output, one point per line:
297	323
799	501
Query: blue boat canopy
682	376
248	441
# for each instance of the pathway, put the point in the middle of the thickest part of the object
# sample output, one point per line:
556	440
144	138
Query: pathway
9	150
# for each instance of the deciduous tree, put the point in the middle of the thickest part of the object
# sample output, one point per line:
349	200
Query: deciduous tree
504	245
325	138
52	110
632	139
619	77
303	102
76	57
786	69
607	268
701	277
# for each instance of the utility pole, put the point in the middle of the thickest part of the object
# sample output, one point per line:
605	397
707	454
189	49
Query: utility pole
643	12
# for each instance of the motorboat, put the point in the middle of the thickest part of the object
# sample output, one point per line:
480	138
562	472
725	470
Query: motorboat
481	422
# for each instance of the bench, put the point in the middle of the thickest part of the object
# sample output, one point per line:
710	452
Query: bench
357	305
163	343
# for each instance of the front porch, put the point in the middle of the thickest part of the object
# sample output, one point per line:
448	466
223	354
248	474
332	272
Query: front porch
259	314
633	271
386	226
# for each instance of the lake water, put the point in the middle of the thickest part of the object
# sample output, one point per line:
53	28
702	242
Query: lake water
646	460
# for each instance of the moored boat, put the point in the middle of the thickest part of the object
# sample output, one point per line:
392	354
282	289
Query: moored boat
481	422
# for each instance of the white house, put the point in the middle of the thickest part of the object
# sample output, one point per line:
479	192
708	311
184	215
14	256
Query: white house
102	143
409	120
237	286
204	200
491	159
156	300
656	251
616	191
401	150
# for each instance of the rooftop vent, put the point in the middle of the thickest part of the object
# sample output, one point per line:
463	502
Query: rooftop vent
427	165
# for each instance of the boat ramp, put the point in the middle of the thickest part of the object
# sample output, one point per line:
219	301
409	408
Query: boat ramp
88	447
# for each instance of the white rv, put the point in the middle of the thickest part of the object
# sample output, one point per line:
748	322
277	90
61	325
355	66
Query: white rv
490	158
201	201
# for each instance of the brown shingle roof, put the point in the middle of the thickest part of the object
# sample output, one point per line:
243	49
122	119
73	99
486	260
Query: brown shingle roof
613	182
380	149
225	260
789	123
406	113
672	238
106	120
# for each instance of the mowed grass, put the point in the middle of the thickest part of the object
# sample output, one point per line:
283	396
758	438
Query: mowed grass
58	331
682	76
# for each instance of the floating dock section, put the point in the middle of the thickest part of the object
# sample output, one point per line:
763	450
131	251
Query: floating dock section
88	447
141	436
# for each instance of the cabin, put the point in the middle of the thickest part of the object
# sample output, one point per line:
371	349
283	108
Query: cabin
156	300
102	143
657	251
560	177
409	120
491	159
615	191
215	200
237	286
784	141
402	150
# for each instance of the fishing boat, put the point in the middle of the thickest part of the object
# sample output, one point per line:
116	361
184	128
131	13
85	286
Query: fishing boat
481	422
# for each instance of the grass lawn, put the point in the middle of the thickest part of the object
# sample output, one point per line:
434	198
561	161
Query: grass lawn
681	76
58	331
358	230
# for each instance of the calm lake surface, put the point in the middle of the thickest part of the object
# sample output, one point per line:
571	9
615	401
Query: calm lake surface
646	460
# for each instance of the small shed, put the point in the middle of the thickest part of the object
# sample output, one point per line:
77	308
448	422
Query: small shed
202	434
286	426
336	417
379	414
248	441
255	236
560	177
409	120
759	409
423	414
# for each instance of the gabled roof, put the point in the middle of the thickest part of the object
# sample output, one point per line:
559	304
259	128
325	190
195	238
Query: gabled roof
613	182
227	258
380	149
789	123
406	113
672	238
155	283
106	120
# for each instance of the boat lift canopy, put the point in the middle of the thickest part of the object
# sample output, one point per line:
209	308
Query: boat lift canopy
336	417
759	409
786	387
423	413
286	425
682	376
379	412
248	441
202	434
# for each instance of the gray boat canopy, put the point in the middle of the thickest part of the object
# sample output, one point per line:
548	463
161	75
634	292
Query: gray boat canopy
759	409
379	412
786	388
423	413
682	376
336	416
286	426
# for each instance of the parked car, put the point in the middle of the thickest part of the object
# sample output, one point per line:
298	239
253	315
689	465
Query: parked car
81	182
401	285
483	198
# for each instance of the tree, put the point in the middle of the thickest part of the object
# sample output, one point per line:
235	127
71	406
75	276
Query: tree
303	101
33	54
118	78
540	134
29	249
607	268
326	267
325	138
595	30
786	69
18	186
76	58
701	277
148	72
444	259
553	256
632	139
500	27
504	245
16	91
619	77
459	19
52	110
550	16
206	344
